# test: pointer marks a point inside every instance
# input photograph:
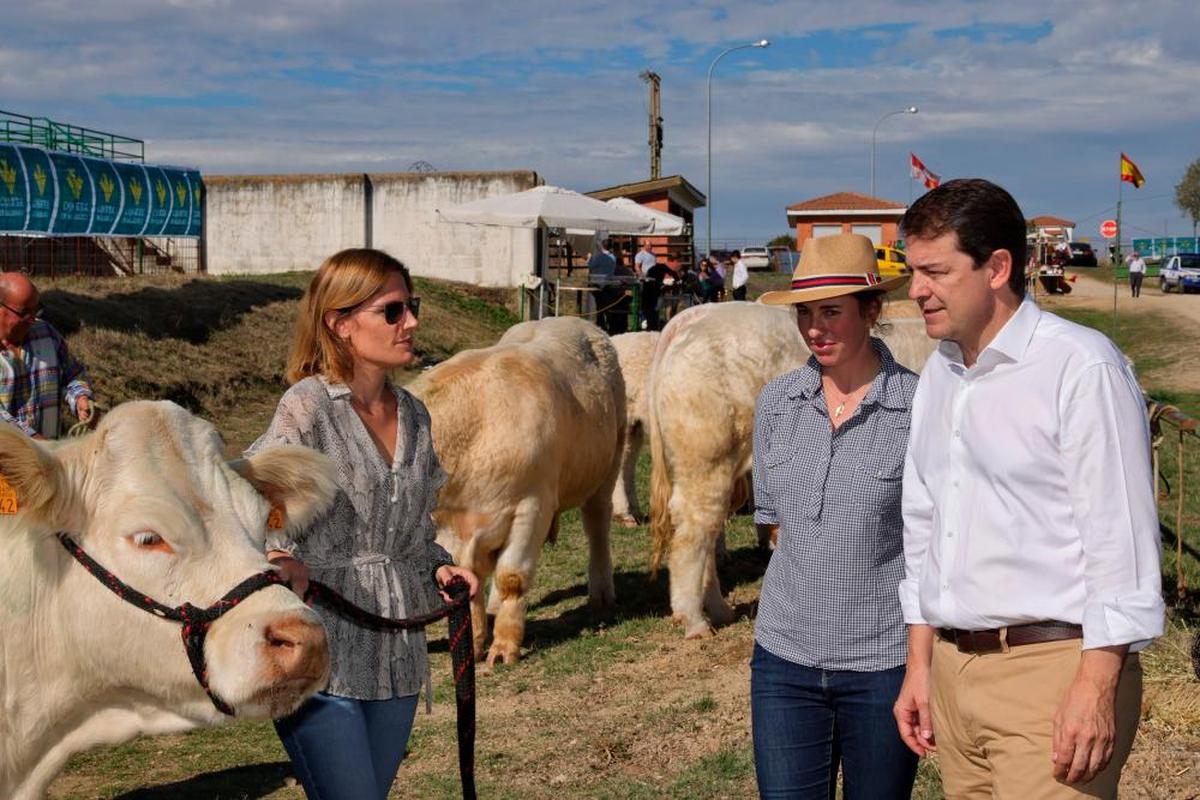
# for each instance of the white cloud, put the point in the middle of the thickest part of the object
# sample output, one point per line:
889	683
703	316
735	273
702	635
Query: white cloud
552	86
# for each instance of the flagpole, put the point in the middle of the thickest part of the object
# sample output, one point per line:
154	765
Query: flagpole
1117	249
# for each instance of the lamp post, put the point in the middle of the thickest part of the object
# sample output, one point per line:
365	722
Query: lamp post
708	117
909	110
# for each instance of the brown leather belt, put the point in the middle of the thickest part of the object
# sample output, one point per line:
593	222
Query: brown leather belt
995	639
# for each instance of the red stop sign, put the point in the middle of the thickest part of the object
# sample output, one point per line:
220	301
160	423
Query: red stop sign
1108	228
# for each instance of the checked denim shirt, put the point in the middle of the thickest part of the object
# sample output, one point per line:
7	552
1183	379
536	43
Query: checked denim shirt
34	383
829	599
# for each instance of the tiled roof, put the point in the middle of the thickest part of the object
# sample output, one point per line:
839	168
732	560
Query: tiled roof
846	201
1047	221
645	187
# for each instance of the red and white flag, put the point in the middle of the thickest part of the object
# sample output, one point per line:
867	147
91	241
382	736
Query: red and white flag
921	173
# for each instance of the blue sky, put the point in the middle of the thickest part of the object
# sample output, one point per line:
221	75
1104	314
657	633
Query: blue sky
1039	96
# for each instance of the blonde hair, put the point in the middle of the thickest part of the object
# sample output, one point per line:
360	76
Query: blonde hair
345	281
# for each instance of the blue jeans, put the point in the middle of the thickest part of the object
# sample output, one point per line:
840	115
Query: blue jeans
806	721
346	749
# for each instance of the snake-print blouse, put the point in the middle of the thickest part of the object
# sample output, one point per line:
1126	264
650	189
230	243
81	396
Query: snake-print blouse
375	545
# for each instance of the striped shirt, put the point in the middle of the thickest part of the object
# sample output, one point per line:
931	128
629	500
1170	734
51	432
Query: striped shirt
829	597
34	382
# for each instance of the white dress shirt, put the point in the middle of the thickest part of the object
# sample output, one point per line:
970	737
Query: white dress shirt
1027	491
741	274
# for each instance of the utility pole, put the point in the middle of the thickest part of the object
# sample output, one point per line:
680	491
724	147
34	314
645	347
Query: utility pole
656	123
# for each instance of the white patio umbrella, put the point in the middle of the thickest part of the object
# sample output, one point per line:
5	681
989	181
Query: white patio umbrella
548	207
664	224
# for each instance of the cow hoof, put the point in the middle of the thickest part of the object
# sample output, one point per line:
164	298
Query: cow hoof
722	618
504	653
698	630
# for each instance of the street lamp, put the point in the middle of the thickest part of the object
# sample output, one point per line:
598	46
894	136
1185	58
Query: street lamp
708	117
909	110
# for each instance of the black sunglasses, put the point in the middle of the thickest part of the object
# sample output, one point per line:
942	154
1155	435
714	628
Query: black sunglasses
393	312
26	315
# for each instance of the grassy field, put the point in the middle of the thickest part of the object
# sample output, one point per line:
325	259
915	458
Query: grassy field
602	705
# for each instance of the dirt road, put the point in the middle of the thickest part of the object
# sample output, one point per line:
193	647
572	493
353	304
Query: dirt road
1088	292
1176	365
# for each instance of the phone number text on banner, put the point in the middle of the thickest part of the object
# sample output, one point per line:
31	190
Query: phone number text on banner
62	194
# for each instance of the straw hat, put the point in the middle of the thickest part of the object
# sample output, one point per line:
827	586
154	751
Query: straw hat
831	266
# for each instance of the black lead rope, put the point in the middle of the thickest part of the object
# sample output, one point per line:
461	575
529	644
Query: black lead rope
195	620
462	656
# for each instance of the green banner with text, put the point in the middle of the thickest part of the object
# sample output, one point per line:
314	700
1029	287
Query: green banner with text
63	194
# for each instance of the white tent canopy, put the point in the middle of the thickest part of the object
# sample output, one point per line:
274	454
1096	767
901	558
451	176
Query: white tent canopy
548	207
664	224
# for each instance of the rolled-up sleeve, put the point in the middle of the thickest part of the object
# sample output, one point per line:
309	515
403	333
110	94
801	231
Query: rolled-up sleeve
74	376
764	503
284	429
1106	449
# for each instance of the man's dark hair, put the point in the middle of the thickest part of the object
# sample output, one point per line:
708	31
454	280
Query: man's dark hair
983	215
735	255
607	244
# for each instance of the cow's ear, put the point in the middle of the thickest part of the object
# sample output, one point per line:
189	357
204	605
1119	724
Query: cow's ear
299	482
36	485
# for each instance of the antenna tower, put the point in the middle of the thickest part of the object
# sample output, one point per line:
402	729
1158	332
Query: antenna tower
656	123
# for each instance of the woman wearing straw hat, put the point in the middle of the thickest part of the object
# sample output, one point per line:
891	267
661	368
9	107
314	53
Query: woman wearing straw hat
829	444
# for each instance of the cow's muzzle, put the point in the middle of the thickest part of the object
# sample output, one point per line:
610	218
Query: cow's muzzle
195	620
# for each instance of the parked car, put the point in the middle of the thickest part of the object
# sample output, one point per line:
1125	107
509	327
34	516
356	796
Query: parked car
1081	255
891	262
1180	272
756	257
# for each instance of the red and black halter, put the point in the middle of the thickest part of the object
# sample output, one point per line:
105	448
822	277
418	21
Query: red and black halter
196	621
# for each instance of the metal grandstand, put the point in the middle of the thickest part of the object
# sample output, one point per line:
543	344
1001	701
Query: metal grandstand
88	255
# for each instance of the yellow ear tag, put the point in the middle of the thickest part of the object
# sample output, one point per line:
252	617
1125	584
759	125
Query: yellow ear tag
8	498
275	518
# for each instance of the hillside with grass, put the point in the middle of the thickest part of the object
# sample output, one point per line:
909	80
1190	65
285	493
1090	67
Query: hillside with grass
218	346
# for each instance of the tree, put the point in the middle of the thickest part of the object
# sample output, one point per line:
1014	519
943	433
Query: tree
1187	193
783	240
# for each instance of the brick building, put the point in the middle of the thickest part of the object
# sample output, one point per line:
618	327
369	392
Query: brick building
846	212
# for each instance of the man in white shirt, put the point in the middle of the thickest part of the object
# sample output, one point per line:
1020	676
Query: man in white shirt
741	275
645	259
1137	271
1030	530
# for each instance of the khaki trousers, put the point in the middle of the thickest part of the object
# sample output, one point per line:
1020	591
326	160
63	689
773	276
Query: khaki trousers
993	721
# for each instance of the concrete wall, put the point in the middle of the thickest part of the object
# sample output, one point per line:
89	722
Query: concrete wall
278	223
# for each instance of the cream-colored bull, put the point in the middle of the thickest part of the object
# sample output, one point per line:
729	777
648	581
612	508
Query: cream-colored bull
149	496
526	429
710	364
635	351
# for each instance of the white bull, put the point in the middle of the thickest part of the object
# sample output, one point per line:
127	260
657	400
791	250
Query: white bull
150	498
635	351
526	429
710	364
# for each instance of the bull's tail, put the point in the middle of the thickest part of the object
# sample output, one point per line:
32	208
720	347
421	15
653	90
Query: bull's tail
661	527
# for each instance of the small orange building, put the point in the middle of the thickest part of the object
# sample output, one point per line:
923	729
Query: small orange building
846	212
673	194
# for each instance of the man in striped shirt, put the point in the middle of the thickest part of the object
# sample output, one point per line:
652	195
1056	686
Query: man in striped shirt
36	371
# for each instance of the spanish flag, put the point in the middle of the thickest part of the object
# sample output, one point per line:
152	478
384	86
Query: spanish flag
1130	172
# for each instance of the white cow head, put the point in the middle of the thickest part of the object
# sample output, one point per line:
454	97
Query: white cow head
149	496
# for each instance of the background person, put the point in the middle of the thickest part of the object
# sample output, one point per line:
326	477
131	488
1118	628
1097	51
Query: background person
829	640
645	258
1030	530
1137	271
375	546
741	276
37	371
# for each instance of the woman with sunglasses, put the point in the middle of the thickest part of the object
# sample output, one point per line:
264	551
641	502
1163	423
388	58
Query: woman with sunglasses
376	545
